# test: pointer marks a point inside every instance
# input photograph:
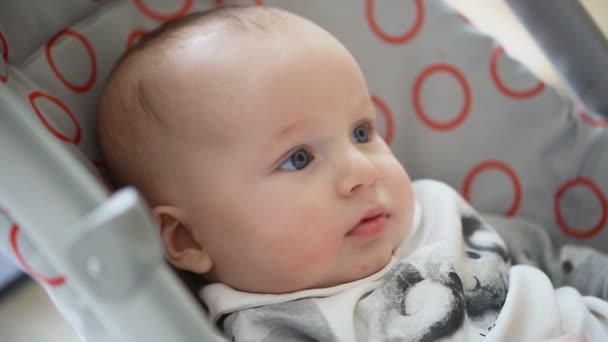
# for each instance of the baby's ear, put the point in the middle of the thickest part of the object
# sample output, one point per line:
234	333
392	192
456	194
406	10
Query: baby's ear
181	248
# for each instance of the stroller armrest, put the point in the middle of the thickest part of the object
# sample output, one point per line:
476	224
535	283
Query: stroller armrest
108	247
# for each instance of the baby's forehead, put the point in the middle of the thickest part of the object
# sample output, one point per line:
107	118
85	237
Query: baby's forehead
221	79
210	85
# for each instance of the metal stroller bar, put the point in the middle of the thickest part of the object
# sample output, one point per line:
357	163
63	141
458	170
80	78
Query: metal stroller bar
81	233
573	43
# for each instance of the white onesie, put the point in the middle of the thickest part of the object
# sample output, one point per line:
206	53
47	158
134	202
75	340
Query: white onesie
452	279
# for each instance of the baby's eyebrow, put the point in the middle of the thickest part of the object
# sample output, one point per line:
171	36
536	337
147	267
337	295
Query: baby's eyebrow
288	129
362	104
291	127
276	142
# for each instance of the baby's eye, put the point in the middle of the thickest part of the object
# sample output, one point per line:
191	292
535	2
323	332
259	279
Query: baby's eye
361	133
297	160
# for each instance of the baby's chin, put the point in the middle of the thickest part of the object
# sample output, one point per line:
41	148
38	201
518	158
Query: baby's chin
357	272
361	269
373	266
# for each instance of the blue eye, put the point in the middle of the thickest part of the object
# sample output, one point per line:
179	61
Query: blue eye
361	134
297	160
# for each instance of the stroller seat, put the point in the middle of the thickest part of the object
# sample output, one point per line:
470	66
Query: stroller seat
450	101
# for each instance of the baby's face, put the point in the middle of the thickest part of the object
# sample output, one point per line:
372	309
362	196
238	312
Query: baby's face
286	184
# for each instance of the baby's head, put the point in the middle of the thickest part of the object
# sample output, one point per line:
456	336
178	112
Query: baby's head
251	132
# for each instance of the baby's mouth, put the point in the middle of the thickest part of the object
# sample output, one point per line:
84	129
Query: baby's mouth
372	223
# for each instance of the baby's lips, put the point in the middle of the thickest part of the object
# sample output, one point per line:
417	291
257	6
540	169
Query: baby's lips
376	211
372	214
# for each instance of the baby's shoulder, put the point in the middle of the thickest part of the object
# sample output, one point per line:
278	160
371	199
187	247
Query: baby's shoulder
433	187
433	196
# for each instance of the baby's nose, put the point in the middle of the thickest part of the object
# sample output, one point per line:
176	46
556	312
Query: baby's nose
358	172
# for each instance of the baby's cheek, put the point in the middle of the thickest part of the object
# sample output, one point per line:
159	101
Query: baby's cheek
308	252
303	241
396	179
318	255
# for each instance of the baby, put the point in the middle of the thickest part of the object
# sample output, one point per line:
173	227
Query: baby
251	133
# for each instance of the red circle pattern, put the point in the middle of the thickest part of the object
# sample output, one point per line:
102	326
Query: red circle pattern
4	78
595	122
578	234
417	93
498	165
134	36
163	16
463	18
388	118
392	39
76	139
92	75
53	282
516	94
